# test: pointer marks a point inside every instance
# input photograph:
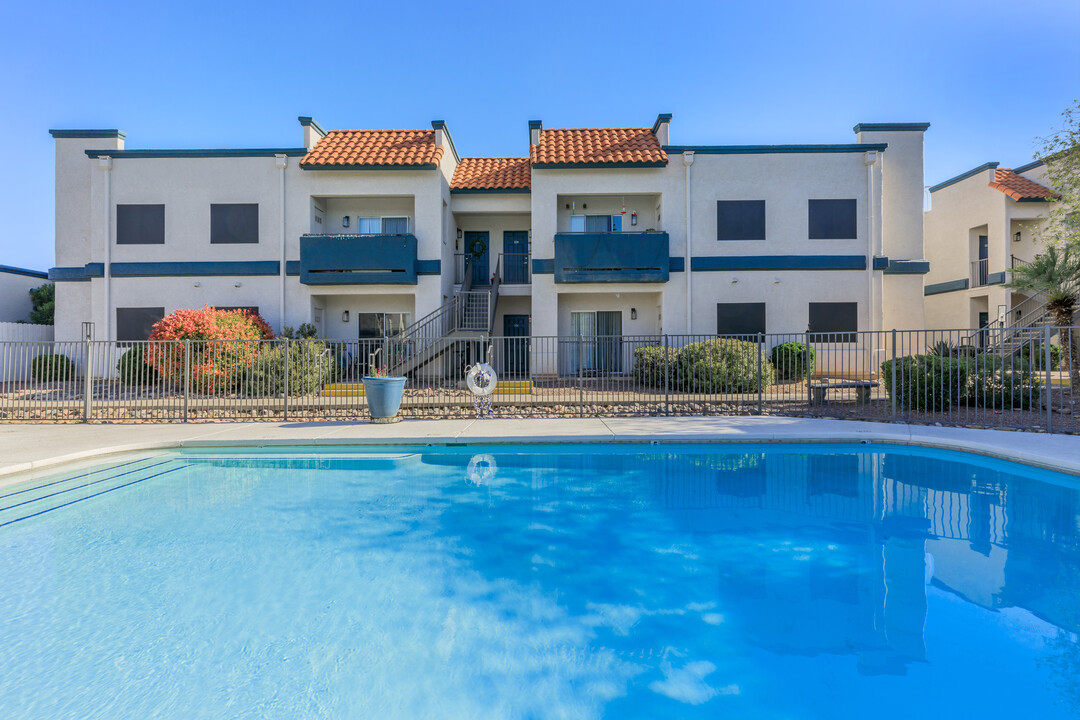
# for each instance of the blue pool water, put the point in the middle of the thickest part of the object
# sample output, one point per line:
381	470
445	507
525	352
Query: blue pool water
542	582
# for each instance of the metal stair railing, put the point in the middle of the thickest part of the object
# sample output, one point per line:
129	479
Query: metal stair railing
494	299
1010	334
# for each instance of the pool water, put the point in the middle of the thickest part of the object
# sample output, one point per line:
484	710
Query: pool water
781	581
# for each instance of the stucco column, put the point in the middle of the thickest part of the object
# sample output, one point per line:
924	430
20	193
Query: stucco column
106	164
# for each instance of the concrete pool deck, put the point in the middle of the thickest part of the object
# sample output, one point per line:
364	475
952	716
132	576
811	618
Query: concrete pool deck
25	447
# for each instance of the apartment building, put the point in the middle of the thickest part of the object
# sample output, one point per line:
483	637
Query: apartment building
981	224
596	232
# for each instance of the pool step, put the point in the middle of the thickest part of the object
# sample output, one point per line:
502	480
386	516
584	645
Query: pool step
513	387
347	389
26	500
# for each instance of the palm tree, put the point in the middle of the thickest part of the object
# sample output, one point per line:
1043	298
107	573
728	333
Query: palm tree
1056	273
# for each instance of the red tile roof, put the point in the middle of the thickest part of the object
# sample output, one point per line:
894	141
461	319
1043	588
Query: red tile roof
374	148
1019	187
492	173
597	146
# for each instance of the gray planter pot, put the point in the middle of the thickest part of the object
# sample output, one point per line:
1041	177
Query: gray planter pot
384	397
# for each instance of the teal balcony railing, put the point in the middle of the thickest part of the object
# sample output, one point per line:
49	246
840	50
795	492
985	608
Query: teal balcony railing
611	257
358	259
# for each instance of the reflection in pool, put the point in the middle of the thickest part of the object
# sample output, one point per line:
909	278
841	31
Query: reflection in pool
535	582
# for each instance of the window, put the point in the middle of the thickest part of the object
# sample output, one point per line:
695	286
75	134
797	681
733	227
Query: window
379	325
740	220
136	324
382	225
832	220
600	349
234	224
140	225
740	318
596	223
834	321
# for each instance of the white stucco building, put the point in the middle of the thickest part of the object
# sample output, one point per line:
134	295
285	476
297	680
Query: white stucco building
15	286
980	225
598	231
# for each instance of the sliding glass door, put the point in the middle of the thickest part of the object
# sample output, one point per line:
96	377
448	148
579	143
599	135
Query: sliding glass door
598	342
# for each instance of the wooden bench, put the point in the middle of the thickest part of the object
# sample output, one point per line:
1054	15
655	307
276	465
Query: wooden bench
862	390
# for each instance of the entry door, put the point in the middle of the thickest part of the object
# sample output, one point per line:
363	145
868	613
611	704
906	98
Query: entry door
478	249
984	255
516	345
984	320
515	257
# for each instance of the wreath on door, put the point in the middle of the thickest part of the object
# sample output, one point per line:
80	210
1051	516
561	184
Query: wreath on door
478	247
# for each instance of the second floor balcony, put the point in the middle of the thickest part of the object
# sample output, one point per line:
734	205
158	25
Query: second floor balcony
611	257
358	259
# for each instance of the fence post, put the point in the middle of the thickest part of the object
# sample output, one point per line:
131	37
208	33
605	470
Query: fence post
580	381
88	381
667	376
809	371
1049	391
893	373
187	376
760	370
285	381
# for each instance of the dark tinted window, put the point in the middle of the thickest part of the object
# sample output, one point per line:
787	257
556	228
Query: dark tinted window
740	220
740	318
832	220
231	224
137	323
140	224
834	321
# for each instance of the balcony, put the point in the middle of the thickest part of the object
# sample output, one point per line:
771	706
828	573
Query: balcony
358	259
611	257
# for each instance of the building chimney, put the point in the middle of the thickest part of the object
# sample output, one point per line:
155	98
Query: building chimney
535	126
312	131
660	128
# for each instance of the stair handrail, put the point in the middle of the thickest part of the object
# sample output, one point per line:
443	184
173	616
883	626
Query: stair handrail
493	300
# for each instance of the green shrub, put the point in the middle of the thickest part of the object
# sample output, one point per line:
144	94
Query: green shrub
722	365
52	368
927	382
1002	384
649	365
1037	355
133	368
790	360
310	367
306	331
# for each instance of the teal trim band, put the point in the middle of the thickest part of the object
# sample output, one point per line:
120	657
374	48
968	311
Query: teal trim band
94	270
881	263
536	124
773	149
116	134
543	267
676	264
424	166
997	278
891	127
306	121
778	262
596	165
23	271
194	269
224	153
490	191
945	287
964	176
660	119
1029	166
907	267
68	274
429	267
292	267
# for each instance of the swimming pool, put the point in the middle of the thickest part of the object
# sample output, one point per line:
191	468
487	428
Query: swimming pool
754	581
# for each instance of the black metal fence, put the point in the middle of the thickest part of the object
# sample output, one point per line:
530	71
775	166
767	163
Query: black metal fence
985	378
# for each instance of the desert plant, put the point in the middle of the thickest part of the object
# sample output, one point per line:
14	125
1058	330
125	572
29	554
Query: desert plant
306	331
650	364
43	304
52	368
223	346
311	365
133	368
790	360
1056	273
722	365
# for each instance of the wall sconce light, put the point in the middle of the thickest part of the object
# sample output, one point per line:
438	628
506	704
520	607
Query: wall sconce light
633	313
459	233
198	284
633	218
584	206
345	316
1016	237
345	221
567	206
236	284
734	280
776	281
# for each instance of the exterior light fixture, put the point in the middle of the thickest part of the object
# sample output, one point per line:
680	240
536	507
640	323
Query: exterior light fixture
1016	237
633	218
345	221
198	284
734	280
236	284
345	316
633	313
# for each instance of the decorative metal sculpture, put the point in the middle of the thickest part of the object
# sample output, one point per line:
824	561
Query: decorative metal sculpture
481	380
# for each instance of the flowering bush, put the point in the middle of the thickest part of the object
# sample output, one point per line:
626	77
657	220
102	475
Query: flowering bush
224	344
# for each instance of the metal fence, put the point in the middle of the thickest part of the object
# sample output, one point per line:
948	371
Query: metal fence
985	378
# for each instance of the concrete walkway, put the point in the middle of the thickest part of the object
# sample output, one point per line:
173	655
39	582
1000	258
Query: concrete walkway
26	447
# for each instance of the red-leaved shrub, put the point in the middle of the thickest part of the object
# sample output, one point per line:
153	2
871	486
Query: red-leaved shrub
223	345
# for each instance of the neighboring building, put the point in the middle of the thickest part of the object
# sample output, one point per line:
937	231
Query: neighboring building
981	224
15	286
365	232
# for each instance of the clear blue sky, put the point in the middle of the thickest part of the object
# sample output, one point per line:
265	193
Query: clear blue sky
990	75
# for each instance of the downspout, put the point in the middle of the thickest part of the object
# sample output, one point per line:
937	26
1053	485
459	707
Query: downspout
106	163
869	159
688	160
282	162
